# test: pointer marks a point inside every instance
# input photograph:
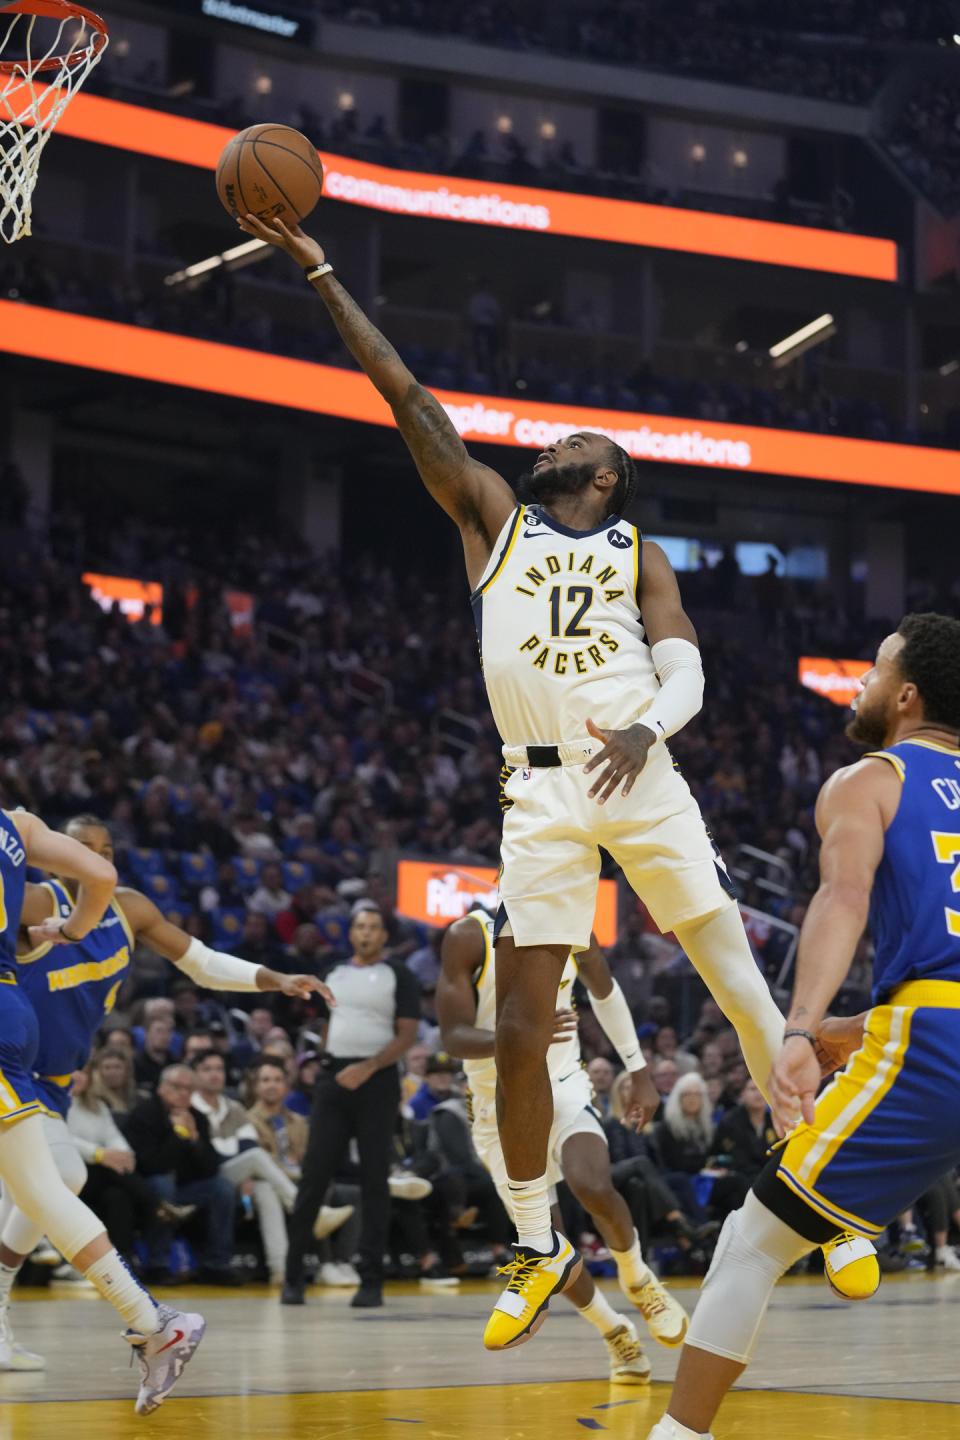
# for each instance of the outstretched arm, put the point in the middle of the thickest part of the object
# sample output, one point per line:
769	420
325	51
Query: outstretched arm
211	969
476	497
854	809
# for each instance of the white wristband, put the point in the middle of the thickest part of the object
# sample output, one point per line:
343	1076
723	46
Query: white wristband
216	971
680	697
613	1012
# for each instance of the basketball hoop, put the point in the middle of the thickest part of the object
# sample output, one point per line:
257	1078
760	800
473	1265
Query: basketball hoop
35	89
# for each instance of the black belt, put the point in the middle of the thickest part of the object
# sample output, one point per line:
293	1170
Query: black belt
540	757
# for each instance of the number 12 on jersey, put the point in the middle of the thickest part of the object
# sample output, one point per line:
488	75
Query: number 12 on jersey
580	596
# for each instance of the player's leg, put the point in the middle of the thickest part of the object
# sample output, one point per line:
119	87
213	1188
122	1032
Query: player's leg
164	1339
628	1362
755	1248
585	1160
720	952
19	1236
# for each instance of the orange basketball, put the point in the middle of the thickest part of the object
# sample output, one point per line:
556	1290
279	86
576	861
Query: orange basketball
268	171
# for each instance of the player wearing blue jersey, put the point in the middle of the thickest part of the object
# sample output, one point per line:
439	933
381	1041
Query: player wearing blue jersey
72	989
163	1339
889	1124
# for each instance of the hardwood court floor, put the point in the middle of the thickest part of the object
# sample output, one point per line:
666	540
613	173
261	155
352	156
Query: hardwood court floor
884	1369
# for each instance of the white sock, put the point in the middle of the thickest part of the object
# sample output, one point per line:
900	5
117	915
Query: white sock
601	1314
670	1429
116	1283
7	1277
531	1212
631	1266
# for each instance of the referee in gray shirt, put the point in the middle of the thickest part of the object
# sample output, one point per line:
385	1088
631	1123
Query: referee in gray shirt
357	1097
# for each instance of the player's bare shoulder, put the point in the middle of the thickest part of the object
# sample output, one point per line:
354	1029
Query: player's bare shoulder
871	782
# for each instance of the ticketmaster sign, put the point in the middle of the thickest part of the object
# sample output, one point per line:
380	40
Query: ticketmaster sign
253	17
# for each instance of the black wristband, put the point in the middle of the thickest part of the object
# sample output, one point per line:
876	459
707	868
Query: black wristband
804	1033
69	938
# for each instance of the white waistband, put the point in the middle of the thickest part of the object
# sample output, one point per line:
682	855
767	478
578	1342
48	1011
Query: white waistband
571	752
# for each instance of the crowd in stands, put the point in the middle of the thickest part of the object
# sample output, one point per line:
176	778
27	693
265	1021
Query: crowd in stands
262	796
221	312
925	141
839	52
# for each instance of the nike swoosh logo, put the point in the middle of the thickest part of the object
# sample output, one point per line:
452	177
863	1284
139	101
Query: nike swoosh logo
177	1337
532	534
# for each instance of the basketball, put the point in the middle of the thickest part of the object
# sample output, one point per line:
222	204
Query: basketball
270	171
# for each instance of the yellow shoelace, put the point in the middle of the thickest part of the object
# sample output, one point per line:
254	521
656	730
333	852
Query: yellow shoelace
521	1271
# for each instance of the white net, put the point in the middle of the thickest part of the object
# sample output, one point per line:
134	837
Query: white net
42	66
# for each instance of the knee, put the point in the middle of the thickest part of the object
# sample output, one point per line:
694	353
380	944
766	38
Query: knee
521	1038
595	1196
73	1172
163	1186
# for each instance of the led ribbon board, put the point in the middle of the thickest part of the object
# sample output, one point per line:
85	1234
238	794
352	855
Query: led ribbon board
204	365
504	207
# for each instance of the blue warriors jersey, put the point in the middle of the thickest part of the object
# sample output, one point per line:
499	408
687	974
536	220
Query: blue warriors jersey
13	873
72	988
915	908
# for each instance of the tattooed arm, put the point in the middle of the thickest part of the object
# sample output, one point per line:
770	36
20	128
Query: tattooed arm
476	497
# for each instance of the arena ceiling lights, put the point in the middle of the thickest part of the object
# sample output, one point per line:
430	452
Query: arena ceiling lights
505	207
103	345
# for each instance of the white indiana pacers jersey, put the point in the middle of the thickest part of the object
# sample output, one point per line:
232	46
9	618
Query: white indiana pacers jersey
561	638
562	1060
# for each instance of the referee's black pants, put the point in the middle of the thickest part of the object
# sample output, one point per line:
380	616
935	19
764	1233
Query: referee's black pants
368	1115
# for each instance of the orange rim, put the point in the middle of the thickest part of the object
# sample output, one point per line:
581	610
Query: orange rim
56	10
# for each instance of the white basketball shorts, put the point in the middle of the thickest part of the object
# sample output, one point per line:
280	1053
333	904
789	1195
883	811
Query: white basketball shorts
550	854
573	1114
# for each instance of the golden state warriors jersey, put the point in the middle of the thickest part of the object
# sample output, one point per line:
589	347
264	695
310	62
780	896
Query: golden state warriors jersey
561	638
72	988
13	875
915	905
562	1060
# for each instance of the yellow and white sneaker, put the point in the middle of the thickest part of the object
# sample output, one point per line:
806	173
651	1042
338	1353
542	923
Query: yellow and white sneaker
534	1279
666	1318
850	1266
628	1361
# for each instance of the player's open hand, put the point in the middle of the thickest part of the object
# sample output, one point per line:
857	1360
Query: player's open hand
564	1025
289	238
794	1082
50	931
301	987
839	1037
623	756
643	1101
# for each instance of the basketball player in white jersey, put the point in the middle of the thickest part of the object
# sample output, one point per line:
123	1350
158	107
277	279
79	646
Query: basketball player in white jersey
590	664
577	1150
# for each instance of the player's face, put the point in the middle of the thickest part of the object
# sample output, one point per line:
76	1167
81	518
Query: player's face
567	467
874	708
95	838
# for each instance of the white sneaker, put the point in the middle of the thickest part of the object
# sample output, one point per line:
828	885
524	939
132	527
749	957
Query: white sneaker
666	1318
331	1217
45	1254
670	1429
628	1362
404	1185
946	1258
12	1355
164	1354
333	1274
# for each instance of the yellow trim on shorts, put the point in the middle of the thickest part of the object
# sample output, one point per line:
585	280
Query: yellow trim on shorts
829	1211
894	760
8	979
939	994
504	554
62	1080
8	1095
852	1097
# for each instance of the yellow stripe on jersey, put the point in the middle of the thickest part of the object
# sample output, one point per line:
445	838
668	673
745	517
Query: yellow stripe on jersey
128	929
854	1094
504	553
894	760
931	745
41	950
637	542
481	919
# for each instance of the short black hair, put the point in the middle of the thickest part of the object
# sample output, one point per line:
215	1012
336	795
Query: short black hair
623	492
88	820
930	659
205	1055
